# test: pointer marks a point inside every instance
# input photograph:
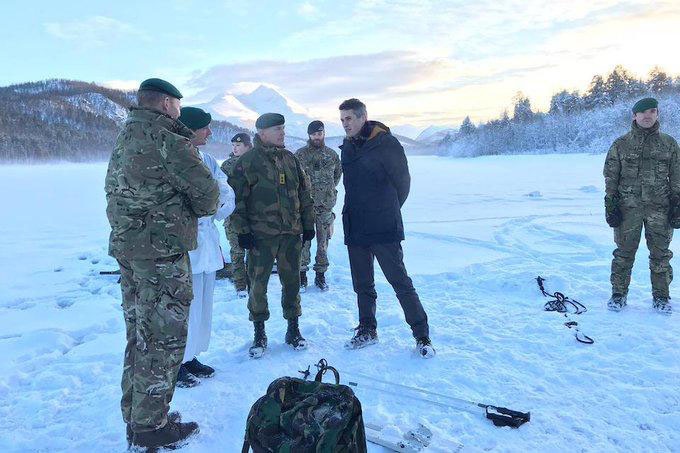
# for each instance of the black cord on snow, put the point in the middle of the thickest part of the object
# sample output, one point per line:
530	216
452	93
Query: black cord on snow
561	303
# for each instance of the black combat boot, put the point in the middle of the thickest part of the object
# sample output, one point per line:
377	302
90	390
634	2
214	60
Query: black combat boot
199	370
662	305
185	378
259	342
293	335
617	302
173	435
303	281
320	281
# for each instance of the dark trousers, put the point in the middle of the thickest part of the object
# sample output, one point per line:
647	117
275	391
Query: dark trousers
391	260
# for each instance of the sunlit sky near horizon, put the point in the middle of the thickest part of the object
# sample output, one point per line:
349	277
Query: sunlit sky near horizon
412	62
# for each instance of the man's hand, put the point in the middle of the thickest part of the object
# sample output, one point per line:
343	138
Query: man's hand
331	230
674	213
307	235
612	211
246	241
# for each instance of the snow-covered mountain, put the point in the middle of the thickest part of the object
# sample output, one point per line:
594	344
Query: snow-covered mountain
435	133
74	121
243	103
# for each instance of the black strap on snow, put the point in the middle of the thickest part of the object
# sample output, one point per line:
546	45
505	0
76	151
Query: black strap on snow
561	303
580	337
117	272
323	366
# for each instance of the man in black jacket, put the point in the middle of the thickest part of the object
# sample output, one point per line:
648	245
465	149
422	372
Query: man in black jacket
377	182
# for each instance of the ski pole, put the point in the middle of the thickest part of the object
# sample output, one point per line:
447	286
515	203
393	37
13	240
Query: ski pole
500	416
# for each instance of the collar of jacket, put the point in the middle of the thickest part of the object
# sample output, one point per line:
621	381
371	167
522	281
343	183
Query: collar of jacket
645	132
143	114
368	132
257	141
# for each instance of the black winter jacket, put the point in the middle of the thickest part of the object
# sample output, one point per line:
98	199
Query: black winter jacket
377	181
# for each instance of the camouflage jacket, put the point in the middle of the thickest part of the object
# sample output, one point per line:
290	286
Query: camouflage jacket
272	192
643	166
324	171
228	165
156	188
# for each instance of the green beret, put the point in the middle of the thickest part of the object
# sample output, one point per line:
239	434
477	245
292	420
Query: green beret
269	120
161	86
241	137
645	104
314	126
194	118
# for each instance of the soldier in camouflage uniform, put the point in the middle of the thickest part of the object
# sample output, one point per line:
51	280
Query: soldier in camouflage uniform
240	145
273	208
322	165
156	188
642	184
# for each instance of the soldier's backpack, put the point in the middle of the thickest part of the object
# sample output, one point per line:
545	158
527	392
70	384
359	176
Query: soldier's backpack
300	416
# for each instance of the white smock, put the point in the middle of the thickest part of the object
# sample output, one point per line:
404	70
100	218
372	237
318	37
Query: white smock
205	261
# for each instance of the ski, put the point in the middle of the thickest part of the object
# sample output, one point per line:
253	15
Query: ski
418	439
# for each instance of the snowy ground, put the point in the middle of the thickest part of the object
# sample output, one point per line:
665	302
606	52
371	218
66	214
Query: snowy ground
478	233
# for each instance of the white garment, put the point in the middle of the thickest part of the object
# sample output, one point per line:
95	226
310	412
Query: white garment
200	315
205	260
208	255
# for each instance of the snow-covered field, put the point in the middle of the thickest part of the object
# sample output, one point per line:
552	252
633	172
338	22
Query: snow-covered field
478	232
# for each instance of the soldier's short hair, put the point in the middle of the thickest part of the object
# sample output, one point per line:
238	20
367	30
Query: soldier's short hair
150	98
355	105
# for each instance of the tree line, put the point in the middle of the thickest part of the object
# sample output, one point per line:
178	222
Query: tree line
575	121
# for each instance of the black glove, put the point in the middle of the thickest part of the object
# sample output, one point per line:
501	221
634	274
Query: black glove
307	235
674	213
246	241
612	211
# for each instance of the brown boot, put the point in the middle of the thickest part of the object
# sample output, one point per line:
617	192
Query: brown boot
173	435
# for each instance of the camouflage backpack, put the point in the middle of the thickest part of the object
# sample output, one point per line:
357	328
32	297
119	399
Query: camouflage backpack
299	416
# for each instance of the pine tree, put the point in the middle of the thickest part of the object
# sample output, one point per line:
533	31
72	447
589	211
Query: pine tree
658	81
597	95
522	109
467	128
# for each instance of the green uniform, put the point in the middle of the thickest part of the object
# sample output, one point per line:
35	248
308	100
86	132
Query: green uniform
156	188
236	252
322	166
273	202
642	174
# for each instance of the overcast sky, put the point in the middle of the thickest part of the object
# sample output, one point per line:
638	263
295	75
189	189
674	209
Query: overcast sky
413	62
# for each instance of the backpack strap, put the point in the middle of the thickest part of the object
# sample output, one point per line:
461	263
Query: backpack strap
323	366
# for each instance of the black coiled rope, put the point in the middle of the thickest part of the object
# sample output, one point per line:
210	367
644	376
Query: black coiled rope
562	304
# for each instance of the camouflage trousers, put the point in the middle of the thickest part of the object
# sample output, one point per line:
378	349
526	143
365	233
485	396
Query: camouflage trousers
658	234
238	258
156	299
324	220
285	249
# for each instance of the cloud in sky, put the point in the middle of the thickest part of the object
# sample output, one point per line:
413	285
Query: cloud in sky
126	85
308	10
481	54
93	31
